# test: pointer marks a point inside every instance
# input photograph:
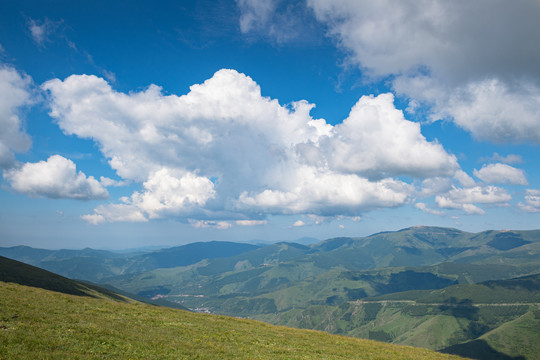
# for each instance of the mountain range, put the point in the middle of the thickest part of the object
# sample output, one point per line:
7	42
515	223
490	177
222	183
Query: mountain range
372	287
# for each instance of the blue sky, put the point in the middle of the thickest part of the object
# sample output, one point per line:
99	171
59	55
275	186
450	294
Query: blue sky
127	124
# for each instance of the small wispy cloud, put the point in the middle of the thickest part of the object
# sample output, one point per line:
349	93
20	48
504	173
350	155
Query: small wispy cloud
251	222
426	209
299	223
105	181
532	201
220	225
508	159
42	30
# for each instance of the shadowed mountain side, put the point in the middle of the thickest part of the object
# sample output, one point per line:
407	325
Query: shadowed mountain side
524	289
479	350
187	254
23	274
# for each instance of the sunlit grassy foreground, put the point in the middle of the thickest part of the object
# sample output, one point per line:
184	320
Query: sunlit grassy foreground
37	324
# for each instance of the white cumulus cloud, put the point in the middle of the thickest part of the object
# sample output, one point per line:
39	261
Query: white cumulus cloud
55	178
376	141
326	193
223	151
501	174
166	192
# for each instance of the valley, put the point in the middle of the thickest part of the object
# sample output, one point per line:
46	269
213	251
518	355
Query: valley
438	288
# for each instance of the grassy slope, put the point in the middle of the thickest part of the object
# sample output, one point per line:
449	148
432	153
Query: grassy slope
514	338
38	323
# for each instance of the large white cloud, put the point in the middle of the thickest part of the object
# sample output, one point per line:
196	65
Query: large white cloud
377	141
55	178
475	62
14	94
224	128
225	151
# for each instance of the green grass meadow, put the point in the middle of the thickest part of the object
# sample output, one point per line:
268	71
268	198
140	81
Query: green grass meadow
42	324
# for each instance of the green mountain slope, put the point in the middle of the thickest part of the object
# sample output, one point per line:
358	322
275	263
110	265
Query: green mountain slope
16	272
281	276
35	322
424	245
437	319
516	339
491	320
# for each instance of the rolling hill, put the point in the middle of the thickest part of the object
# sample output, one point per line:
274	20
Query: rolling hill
489	320
54	323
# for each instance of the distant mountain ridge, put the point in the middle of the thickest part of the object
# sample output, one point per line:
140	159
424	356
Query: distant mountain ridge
272	269
93	265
